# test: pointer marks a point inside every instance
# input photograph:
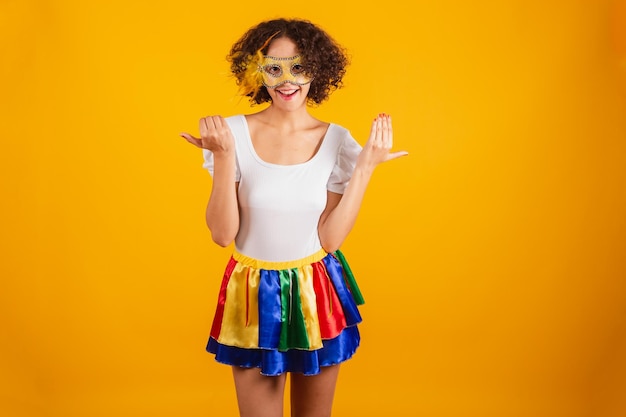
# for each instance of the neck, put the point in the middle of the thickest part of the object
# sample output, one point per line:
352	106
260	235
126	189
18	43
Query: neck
287	119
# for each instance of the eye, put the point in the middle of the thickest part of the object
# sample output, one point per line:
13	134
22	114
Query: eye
297	69
273	70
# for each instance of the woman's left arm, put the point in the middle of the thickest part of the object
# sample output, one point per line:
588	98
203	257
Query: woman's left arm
341	211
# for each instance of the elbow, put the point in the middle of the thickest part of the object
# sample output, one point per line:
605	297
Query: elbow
223	236
330	241
330	246
330	249
222	242
222	239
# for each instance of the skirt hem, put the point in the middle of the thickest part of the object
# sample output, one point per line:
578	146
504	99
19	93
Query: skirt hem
272	362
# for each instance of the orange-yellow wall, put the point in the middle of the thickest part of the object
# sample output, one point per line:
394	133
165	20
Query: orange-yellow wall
493	258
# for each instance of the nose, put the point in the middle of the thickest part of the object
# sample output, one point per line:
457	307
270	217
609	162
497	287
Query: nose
285	82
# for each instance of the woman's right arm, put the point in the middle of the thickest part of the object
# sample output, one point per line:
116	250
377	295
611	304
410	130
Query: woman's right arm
222	212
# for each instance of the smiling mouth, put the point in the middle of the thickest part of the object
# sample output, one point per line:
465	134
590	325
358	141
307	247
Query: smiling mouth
287	93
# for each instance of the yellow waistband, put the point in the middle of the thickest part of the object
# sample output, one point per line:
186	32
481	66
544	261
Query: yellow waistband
270	265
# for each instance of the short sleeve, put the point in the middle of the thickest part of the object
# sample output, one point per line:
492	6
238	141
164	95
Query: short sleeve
208	164
344	165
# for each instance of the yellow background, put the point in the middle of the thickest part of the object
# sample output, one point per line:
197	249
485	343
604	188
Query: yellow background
492	258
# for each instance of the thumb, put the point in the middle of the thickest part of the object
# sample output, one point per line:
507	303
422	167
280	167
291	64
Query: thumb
395	155
189	138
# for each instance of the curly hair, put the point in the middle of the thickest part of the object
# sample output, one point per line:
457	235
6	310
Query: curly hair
324	59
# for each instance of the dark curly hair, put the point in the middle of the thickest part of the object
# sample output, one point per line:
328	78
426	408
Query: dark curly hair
324	59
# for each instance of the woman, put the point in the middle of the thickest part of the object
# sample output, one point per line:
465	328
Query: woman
287	188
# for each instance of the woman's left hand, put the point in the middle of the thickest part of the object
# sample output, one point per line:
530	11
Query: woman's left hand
378	146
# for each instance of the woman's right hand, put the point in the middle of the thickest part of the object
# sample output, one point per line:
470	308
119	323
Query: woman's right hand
215	135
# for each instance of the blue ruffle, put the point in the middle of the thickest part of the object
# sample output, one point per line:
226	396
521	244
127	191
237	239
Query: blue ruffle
274	362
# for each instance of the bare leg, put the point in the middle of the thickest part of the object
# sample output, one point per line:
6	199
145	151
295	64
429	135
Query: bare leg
258	395
312	396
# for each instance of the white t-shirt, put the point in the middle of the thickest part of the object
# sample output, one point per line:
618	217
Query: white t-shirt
280	205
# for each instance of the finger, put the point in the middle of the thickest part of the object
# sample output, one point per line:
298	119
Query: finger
385	132
389	131
395	155
218	122
208	125
191	139
378	130
188	136
373	129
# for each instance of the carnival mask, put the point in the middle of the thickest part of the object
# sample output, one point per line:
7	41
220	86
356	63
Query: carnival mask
278	71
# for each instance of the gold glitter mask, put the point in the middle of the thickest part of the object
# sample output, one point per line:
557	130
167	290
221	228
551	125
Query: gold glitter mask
278	71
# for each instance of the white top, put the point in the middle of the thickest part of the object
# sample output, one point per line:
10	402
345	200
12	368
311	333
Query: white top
280	205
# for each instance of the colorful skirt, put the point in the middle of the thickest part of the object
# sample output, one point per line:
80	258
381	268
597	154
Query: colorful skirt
292	316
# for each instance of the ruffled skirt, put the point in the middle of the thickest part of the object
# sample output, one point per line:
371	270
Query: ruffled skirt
292	316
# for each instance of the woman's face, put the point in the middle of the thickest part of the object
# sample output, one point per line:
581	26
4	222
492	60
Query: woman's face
283	74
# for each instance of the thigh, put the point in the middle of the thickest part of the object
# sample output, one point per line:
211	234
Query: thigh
312	396
258	395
